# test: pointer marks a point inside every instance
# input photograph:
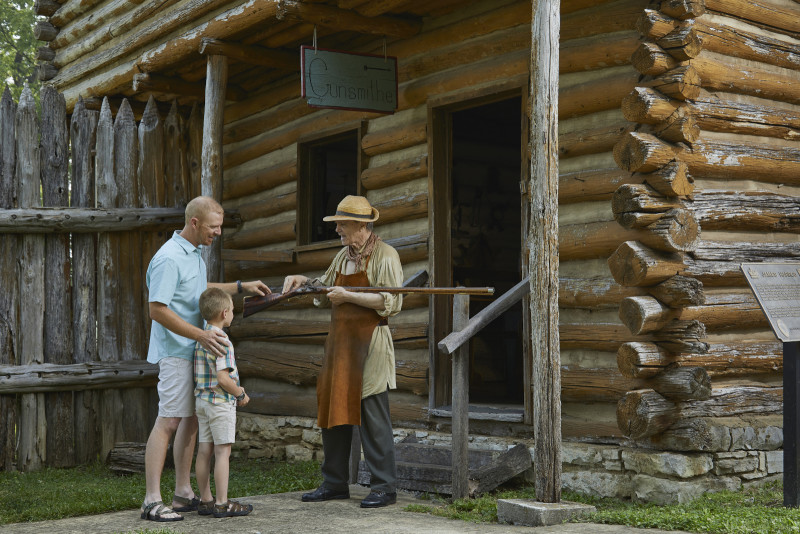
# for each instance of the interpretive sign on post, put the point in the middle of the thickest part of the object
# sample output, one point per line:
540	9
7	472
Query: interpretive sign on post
343	80
777	289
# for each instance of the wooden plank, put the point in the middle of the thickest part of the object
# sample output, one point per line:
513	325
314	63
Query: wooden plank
83	132
175	163
281	256
18	379
58	317
31	451
543	244
89	220
8	278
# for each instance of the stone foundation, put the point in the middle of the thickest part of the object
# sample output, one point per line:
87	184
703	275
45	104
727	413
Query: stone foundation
739	456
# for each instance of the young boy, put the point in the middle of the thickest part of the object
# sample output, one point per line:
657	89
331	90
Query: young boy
217	393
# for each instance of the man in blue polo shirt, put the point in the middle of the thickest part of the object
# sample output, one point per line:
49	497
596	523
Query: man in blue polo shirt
176	277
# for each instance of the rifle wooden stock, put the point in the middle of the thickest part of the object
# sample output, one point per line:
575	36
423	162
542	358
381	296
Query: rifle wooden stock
252	305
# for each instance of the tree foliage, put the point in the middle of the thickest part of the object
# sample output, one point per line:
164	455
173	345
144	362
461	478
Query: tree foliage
17	46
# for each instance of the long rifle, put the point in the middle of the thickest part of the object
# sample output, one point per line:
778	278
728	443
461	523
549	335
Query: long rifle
258	303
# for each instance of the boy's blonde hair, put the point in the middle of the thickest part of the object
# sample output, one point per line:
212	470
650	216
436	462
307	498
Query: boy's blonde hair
212	302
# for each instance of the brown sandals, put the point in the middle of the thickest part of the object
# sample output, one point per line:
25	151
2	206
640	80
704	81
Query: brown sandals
231	509
159	512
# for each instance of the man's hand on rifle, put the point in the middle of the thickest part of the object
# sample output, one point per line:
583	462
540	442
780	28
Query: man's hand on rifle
256	287
294	281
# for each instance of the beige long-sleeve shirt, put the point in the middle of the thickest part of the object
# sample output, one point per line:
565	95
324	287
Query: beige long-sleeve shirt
384	270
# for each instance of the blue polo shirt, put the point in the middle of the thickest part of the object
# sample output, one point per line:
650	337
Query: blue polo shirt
176	277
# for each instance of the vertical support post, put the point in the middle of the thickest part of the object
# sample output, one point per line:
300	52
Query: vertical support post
791	430
211	159
543	247
460	413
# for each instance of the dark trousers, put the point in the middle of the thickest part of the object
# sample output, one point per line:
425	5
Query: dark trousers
376	440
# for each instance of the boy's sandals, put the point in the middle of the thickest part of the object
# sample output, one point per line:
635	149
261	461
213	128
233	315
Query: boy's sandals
187	504
159	512
232	508
205	507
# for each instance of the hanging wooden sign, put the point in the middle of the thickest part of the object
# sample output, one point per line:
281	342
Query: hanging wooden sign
344	80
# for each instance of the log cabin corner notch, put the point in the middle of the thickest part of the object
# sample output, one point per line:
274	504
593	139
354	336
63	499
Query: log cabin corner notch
675	164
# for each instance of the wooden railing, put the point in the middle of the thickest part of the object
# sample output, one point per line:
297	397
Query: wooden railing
456	344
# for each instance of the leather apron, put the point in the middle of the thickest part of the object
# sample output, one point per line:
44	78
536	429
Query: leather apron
346	348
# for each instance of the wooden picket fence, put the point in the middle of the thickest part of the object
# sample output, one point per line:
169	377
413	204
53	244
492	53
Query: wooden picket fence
85	201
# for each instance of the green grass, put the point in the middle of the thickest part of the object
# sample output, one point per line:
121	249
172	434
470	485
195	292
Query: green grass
94	489
754	511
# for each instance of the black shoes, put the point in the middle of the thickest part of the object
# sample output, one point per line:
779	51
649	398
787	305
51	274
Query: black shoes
323	494
377	499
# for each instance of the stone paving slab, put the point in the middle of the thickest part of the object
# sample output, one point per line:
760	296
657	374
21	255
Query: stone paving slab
284	513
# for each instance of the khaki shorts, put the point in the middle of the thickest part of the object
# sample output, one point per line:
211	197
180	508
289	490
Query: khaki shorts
216	423
175	387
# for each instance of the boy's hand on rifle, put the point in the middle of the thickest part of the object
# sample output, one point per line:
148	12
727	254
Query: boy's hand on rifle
256	287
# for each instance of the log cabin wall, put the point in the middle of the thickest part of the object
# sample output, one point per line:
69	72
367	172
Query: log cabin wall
716	151
664	131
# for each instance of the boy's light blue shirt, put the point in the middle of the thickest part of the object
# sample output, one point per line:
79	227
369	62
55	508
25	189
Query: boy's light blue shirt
176	277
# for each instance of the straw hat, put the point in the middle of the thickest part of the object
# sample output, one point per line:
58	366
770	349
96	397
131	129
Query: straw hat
353	208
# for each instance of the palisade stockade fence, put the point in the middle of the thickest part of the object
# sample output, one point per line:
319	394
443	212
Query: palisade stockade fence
85	201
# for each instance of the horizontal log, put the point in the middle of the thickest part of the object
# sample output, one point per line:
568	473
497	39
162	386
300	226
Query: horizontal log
728	359
681	83
642	152
281	256
736	400
644	413
683	9
717	75
653	24
45	8
302	368
718	263
652	60
255	124
591	141
18	379
257	236
45	71
599	94
260	181
596	52
645	314
746	210
345	20
45	53
775	16
595	336
682	43
394	173
633	264
679	291
680	127
593	293
405	207
648	106
641	198
738	42
46	220
601	18
268	206
683	384
595	385
671	180
253	55
743	161
591	185
397	138
410	248
128	457
44	31
264	329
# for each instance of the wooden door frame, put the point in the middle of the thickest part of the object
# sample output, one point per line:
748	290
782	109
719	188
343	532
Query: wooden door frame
440	110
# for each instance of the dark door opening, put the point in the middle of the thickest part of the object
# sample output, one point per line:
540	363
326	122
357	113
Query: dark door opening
486	240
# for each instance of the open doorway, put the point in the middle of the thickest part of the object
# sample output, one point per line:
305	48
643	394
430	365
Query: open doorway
479	239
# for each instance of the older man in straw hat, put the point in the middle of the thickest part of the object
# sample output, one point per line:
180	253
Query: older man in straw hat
358	369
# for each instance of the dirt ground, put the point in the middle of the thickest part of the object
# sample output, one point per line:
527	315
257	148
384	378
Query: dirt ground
284	513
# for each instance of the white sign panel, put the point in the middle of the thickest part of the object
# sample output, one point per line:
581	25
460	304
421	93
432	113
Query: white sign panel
777	289
343	80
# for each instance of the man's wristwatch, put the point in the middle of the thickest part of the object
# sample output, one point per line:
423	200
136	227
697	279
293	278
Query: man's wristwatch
240	398
239	286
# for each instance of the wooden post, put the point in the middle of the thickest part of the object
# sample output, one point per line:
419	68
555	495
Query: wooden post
9	299
211	160
83	131
791	428
32	425
543	250
460	411
58	310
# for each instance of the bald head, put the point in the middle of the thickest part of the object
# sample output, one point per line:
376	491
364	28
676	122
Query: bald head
200	207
